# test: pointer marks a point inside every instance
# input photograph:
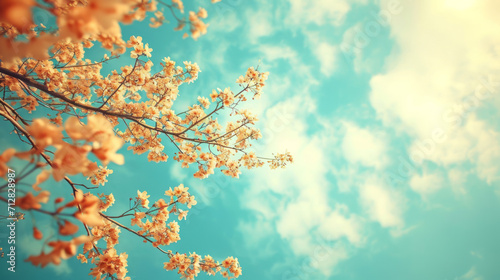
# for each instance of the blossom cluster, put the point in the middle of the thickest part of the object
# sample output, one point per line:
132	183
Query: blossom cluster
154	228
69	158
189	266
90	114
157	228
99	176
97	137
106	261
143	101
80	20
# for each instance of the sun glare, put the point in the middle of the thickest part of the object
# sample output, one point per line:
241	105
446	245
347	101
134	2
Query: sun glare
460	4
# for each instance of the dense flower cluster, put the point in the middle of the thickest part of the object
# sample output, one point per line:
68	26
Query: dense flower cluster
99	177
190	266
91	114
154	228
140	99
97	137
80	20
109	264
281	160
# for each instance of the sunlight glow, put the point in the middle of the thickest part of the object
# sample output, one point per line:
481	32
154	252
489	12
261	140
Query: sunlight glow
460	4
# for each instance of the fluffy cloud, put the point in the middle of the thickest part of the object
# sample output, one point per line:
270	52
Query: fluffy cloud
352	46
438	82
272	53
318	12
339	223
326	52
296	199
365	147
426	183
426	95
383	205
261	27
327	55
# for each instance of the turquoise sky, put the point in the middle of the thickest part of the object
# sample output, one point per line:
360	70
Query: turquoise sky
390	108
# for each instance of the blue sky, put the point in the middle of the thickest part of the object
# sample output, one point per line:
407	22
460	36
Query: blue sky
390	109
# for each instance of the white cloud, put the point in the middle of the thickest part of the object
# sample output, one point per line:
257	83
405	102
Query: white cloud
426	183
296	199
438	80
326	52
223	23
362	146
177	172
383	205
351	47
327	55
428	75
457	180
327	259
318	12
272	53
259	238
347	177
261	25
339	224
472	274
214	55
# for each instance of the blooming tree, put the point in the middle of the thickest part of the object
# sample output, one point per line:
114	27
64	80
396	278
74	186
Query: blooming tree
91	115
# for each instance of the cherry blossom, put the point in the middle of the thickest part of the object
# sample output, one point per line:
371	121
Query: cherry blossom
89	114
